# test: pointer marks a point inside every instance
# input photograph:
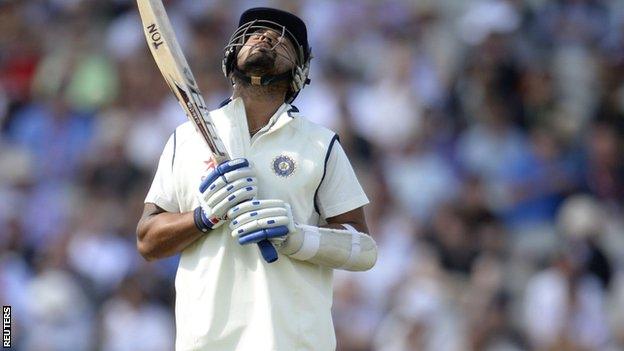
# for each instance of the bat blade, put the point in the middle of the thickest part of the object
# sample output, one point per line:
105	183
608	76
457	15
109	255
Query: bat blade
177	73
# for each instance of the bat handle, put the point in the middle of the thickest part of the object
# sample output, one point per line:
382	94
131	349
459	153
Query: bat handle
268	251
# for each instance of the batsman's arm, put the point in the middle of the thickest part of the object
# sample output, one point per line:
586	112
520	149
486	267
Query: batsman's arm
162	234
355	218
343	243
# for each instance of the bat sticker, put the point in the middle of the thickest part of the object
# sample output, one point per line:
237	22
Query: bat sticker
154	35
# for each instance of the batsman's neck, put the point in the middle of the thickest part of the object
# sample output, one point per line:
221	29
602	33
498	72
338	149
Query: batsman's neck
260	104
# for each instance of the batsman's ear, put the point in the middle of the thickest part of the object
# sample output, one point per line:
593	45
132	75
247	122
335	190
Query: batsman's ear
228	62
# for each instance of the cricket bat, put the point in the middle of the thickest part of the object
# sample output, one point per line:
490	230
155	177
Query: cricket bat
173	65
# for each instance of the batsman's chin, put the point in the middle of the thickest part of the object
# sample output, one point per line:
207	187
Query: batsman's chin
258	64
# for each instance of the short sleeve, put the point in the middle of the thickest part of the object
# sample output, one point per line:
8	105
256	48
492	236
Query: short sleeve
339	191
162	192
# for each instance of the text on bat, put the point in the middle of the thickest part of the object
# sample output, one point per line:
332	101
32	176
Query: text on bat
154	35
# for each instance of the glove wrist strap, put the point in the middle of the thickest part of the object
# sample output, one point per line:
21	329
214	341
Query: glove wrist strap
202	223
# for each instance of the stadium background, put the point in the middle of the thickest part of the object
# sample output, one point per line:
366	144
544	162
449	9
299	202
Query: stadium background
488	135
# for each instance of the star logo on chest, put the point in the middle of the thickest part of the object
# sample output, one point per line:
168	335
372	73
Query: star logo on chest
210	165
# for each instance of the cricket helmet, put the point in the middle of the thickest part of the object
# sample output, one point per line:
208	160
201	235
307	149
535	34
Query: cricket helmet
288	26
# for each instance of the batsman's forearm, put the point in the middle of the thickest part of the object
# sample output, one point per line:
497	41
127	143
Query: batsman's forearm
330	247
165	234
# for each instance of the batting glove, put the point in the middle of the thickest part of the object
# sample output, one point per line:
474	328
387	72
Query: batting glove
228	185
257	220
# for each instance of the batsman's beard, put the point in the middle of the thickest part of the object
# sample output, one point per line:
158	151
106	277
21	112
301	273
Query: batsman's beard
260	61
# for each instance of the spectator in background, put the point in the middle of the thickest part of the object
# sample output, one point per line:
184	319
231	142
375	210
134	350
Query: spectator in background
604	166
581	219
130	322
565	303
539	180
425	177
487	149
59	315
55	134
422	316
564	306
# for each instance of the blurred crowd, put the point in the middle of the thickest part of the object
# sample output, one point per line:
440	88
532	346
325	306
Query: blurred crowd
488	135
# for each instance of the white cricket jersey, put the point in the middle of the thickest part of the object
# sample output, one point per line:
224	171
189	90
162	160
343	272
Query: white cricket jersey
227	296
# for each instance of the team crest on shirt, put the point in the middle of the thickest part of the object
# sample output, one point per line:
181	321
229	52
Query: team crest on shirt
284	166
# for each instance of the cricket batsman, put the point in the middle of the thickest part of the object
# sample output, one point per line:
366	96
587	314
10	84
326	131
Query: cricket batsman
289	182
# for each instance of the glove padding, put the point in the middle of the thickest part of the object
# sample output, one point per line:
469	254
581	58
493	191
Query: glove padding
231	183
256	220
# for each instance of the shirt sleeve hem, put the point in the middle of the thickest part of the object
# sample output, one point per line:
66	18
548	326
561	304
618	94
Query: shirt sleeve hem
344	206
162	203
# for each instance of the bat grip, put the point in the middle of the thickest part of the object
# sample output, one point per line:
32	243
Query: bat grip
268	251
